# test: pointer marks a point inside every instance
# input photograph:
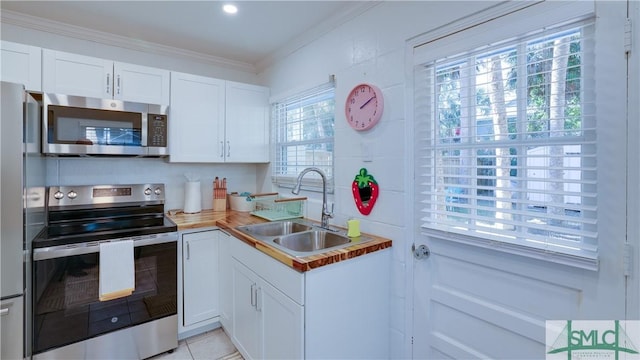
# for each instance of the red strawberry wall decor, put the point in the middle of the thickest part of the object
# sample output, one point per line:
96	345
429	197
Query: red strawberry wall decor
365	191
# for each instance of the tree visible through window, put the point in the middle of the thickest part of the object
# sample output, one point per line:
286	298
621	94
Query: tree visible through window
512	149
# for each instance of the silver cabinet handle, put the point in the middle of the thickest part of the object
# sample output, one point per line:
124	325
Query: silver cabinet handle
108	83
228	148
254	295
221	149
118	84
188	251
259	299
4	312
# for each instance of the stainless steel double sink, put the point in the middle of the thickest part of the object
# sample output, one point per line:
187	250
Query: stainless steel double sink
299	237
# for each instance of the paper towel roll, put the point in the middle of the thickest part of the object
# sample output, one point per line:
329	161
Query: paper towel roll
192	197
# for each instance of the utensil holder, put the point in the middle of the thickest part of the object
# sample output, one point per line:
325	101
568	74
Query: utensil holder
220	199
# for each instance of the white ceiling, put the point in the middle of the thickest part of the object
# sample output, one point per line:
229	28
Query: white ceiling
260	29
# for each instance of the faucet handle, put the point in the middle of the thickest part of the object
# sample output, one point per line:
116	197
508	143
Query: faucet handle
330	214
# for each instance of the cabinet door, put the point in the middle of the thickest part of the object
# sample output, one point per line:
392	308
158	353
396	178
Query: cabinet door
196	115
141	84
200	276
226	281
247	123
22	64
246	319
71	74
282	324
11	315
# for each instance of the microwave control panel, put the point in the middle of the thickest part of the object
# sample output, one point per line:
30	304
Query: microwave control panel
157	130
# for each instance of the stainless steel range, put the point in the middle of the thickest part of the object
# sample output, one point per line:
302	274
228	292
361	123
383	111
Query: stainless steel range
74	261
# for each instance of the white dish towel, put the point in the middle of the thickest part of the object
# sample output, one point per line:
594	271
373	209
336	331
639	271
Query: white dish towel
117	270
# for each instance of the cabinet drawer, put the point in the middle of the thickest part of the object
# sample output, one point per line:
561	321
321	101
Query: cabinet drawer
282	277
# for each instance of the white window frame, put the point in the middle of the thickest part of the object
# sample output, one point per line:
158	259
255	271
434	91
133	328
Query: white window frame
288	133
428	48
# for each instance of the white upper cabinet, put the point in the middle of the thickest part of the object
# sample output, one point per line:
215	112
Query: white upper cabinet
247	123
196	118
22	64
214	121
141	84
72	74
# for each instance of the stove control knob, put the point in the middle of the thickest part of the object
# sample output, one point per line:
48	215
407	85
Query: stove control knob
147	191
157	191
72	194
58	195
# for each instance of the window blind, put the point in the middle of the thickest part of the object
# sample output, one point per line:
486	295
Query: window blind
303	131
506	148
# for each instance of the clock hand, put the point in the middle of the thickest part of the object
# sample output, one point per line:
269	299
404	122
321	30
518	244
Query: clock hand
368	101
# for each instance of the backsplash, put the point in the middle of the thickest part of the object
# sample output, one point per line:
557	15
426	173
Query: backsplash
107	170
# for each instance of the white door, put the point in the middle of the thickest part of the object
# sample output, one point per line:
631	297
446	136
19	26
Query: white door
196	112
246	319
472	301
21	64
72	74
200	278
282	324
141	84
247	123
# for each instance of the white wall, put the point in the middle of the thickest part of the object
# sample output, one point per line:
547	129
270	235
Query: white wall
109	170
371	48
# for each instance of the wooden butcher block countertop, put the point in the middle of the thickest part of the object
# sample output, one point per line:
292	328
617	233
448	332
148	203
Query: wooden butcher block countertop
230	219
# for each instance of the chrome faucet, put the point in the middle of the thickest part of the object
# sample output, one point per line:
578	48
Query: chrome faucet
326	215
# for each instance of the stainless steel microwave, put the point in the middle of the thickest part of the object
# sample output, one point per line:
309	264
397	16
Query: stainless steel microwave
74	125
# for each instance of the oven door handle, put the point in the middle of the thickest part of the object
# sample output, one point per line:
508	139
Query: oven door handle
59	251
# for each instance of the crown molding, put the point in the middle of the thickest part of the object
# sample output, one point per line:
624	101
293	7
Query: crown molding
77	32
356	9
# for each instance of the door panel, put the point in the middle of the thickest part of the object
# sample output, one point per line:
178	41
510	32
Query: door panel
245	315
481	302
200	280
282	324
484	303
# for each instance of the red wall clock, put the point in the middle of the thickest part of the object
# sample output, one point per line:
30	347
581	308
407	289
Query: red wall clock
363	107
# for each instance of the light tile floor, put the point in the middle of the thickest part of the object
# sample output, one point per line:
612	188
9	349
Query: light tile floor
211	345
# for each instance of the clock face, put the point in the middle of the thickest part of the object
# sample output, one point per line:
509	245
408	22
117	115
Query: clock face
363	107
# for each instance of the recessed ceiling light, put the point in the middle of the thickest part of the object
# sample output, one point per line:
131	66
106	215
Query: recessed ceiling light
230	8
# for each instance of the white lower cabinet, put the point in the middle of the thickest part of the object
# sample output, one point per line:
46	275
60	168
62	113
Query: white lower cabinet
267	324
339	310
199	281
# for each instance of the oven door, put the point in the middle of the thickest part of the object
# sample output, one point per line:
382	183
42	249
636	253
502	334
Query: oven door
65	294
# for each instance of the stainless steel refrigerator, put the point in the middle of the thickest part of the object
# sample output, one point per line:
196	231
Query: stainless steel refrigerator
22	187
